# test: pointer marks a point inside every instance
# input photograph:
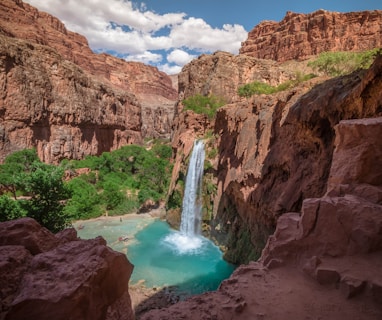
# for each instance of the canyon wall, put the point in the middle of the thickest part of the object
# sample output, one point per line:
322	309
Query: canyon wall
222	73
300	36
274	151
47	276
49	103
78	86
322	262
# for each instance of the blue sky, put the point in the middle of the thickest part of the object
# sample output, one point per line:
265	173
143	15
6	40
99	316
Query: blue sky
170	33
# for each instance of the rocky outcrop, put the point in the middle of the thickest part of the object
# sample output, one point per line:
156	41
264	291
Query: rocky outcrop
322	263
49	103
276	151
222	73
46	276
140	94
299	36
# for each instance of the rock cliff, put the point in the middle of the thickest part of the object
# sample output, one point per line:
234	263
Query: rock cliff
145	95
321	263
222	73
274	151
299	36
47	276
49	103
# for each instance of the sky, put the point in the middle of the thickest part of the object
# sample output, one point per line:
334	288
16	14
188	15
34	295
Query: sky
170	33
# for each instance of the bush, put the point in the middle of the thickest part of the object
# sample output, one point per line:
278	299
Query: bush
340	63
10	209
162	151
112	195
207	105
258	87
84	203
45	185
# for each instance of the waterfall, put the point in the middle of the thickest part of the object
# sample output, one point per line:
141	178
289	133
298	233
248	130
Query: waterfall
188	240
192	201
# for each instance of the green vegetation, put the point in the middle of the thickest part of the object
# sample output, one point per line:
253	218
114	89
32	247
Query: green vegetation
258	87
43	186
117	182
123	179
207	105
340	63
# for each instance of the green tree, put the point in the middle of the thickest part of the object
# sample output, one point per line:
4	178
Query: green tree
10	209
112	195
47	190
14	166
84	202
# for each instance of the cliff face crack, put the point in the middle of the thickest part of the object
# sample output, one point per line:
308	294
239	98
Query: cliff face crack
316	217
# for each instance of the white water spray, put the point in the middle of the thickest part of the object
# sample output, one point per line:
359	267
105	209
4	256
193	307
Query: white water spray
187	239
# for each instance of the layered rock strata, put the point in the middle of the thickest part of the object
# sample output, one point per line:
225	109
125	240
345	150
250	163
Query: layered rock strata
299	36
222	73
47	276
146	94
49	103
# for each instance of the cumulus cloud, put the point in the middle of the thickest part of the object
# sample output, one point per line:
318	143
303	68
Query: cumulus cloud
147	57
174	69
179	57
196	34
134	32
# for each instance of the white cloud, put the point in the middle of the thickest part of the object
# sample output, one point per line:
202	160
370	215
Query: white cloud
132	31
197	34
179	57
147	57
170	69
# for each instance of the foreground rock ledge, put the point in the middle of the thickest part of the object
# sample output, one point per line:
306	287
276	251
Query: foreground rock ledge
47	276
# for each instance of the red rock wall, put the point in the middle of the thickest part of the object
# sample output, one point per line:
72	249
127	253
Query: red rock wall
222	73
49	103
299	36
81	122
276	151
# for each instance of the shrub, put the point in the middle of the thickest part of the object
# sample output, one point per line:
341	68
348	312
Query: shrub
84	203
258	87
340	63
10	209
45	185
207	105
112	195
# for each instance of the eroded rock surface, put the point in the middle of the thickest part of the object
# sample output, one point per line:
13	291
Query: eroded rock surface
222	73
68	102
299	36
46	276
324	262
49	103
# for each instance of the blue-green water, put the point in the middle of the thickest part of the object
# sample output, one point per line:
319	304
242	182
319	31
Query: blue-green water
163	257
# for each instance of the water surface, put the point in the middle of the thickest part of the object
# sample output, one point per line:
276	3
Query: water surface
163	257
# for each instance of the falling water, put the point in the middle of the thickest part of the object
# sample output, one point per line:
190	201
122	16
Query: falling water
188	240
192	201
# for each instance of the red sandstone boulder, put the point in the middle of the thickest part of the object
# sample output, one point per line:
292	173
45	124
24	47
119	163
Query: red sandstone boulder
60	277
